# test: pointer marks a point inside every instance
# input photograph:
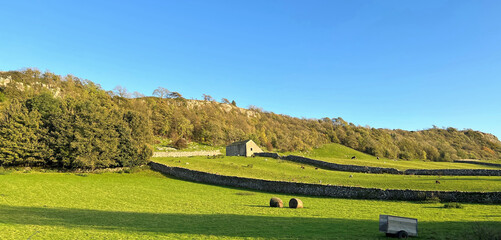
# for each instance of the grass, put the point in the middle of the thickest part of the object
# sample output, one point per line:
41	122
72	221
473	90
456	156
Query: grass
453	205
485	161
337	153
272	169
4	171
148	205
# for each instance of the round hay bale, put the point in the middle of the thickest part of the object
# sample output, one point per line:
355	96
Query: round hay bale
276	202
296	203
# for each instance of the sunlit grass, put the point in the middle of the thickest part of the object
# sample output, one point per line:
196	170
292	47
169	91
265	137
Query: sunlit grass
337	153
273	169
148	205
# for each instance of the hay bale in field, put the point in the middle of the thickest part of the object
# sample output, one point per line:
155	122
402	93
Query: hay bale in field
276	202
296	203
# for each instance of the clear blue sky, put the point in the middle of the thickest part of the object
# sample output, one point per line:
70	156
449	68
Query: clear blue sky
388	64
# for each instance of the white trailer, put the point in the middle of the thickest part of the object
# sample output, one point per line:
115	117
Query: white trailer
400	227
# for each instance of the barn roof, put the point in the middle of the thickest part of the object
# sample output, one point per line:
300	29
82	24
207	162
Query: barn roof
240	143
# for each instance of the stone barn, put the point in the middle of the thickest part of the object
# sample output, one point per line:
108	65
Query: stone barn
243	148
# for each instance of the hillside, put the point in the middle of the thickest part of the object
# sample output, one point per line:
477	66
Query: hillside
50	121
70	122
218	124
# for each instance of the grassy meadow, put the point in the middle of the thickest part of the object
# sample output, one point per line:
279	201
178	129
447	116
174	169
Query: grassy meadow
281	170
337	153
149	205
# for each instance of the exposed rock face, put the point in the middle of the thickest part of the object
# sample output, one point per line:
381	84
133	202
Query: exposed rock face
190	104
7	81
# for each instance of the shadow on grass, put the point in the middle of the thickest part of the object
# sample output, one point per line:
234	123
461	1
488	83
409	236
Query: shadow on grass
258	206
223	225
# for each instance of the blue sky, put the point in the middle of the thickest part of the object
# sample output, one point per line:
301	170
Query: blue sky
386	64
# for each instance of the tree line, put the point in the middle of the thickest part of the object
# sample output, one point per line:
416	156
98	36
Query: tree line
65	122
50	120
218	124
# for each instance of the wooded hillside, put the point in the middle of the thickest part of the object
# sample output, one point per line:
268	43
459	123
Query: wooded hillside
49	120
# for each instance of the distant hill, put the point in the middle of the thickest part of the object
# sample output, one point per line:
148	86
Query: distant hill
214	123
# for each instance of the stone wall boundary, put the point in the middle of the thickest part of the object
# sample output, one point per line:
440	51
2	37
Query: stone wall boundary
325	190
454	172
478	163
381	170
341	167
267	154
186	154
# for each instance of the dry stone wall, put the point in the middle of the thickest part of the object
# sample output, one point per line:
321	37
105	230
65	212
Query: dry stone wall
186	154
341	167
379	170
331	166
267	154
454	172
326	190
478	163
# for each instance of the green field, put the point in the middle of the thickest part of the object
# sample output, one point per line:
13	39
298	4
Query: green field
148	205
273	169
337	153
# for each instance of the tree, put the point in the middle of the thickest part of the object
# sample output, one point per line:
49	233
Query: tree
21	136
208	97
181	143
121	92
161	92
174	95
224	100
137	94
233	103
255	108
